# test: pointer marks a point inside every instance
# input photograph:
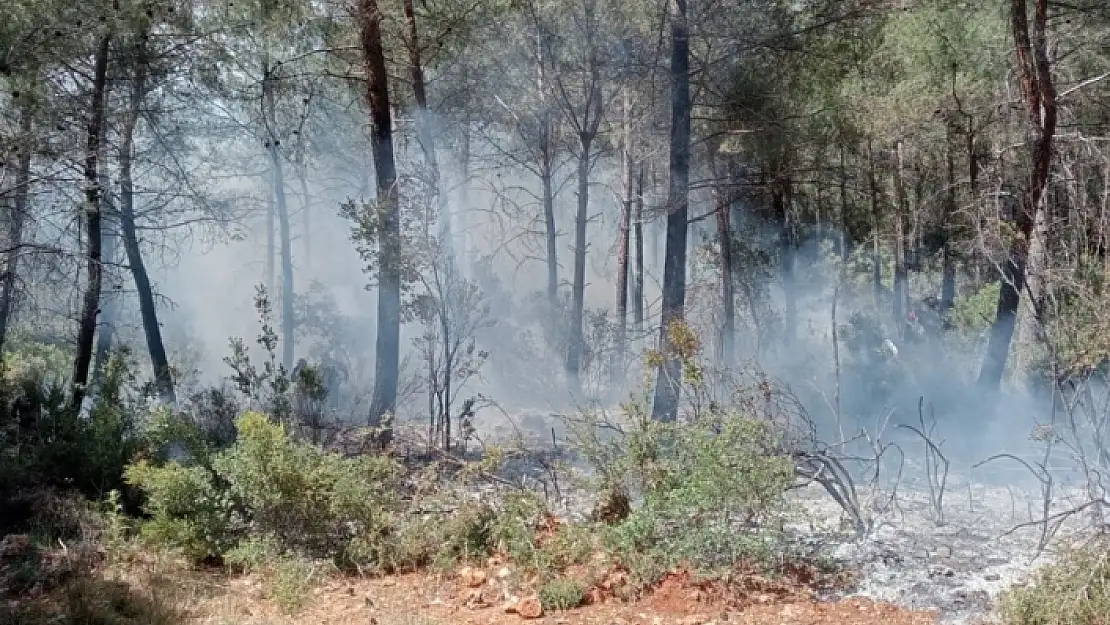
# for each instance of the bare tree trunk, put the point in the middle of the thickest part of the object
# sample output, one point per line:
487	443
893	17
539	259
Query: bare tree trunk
624	225
271	240
15	223
575	345
876	253
1024	268
668	377
109	297
550	233
388	342
306	216
638	244
722	196
782	198
87	321
900	277
948	264
163	376
845	235
426	132
282	211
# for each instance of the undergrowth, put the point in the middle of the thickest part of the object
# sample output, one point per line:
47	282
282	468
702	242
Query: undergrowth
1075	590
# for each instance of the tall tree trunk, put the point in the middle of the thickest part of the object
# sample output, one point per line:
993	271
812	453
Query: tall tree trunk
109	297
388	341
550	233
163	376
638	244
306	216
722	201
16	219
876	235
575	345
91	305
624	226
1025	265
271	240
900	297
948	261
273	148
668	378
845	234
782	199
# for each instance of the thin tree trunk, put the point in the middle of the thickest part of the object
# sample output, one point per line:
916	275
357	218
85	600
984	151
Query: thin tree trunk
109	297
876	254
15	223
898	308
388	341
668	377
723	208
87	321
623	244
575	345
163	376
948	263
306	217
550	234
845	235
282	211
783	197
271	240
426	132
638	244
1025	266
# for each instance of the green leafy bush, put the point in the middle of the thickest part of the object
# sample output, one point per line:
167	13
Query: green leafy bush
707	491
562	594
269	485
1073	591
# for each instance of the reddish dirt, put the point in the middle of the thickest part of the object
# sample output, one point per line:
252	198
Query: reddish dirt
422	599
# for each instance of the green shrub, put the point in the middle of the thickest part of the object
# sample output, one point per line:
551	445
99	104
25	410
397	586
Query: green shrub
1073	591
562	594
273	488
708	490
188	511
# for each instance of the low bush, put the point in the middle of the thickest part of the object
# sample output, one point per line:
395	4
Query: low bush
1075	590
562	594
269	485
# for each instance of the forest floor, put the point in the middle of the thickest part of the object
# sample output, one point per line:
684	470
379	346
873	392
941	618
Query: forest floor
431	599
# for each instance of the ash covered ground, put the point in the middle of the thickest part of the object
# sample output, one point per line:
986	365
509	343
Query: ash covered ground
988	539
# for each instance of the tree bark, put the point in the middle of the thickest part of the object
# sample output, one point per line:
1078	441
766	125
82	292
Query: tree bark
426	133
575	345
948	264
898	308
16	219
638	244
87	321
723	207
163	376
782	199
1025	265
668	377
623	228
876	238
273	148
388	341
109	297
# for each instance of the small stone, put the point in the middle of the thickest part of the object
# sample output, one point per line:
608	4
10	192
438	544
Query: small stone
504	572
696	619
992	577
